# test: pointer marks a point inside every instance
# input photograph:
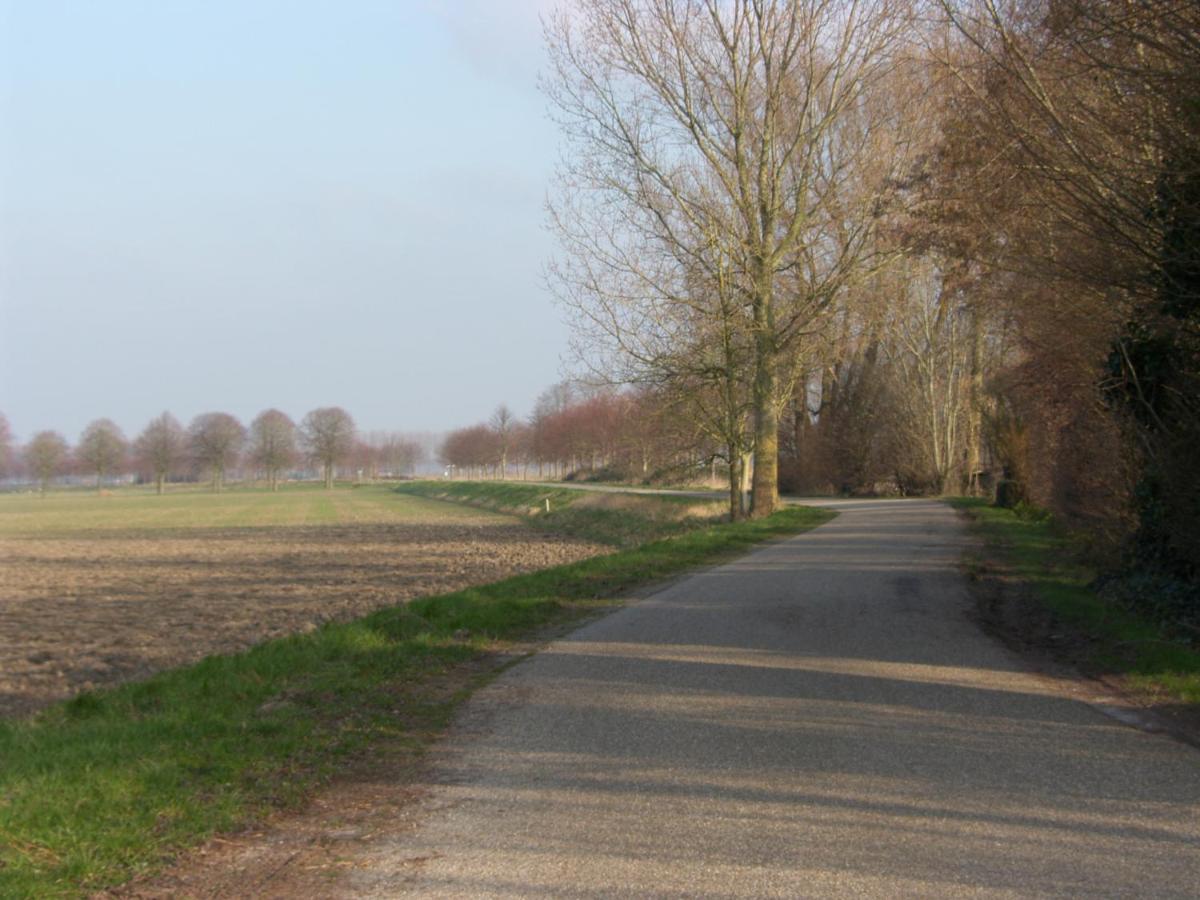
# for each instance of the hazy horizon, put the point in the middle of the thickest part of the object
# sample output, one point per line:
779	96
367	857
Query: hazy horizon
234	207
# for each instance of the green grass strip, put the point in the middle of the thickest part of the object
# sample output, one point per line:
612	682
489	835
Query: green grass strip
616	519
110	784
1036	552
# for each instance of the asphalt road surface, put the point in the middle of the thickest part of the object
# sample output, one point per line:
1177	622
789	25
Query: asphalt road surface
820	718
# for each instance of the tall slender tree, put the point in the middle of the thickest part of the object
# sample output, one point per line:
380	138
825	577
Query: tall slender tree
503	422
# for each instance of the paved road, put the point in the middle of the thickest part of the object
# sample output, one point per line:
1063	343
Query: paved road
820	718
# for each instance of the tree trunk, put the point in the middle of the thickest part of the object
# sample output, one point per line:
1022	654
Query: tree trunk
746	458
975	410
159	478
765	492
735	486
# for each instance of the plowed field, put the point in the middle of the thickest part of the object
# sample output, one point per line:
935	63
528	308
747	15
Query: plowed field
95	590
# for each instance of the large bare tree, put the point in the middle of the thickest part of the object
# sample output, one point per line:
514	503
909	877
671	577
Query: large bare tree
215	439
160	448
272	444
102	449
327	435
46	454
743	126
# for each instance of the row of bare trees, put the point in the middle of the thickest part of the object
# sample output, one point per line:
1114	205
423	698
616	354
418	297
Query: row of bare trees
213	444
625	435
898	244
1066	195
735	167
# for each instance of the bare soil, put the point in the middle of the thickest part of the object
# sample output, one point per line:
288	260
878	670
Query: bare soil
92	609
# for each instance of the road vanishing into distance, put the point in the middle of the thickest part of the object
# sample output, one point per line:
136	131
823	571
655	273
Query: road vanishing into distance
820	718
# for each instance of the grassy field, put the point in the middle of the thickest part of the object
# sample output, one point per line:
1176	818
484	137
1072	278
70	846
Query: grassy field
1032	550
111	783
69	512
617	519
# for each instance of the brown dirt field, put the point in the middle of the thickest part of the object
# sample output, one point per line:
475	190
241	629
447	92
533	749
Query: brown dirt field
94	609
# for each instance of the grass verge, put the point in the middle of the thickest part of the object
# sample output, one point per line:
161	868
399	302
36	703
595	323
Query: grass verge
111	784
1119	641
617	519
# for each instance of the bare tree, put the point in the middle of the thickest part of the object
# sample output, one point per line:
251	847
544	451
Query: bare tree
391	454
102	448
327	435
214	440
6	447
160	448
1081	128
471	450
402	455
272	444
46	454
503	422
930	351
735	126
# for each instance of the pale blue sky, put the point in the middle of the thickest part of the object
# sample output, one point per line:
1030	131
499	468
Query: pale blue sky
238	204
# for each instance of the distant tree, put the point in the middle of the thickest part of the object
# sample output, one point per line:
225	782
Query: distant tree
214	440
503	422
45	455
366	457
471	449
160	448
273	444
521	442
102	449
6	447
403	455
327	435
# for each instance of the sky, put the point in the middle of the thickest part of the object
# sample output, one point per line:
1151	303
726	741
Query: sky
241	204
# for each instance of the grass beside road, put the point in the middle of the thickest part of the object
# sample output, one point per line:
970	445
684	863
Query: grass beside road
110	784
1156	664
617	519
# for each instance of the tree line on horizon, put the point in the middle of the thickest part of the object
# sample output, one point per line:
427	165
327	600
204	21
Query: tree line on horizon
947	246
213	445
597	434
